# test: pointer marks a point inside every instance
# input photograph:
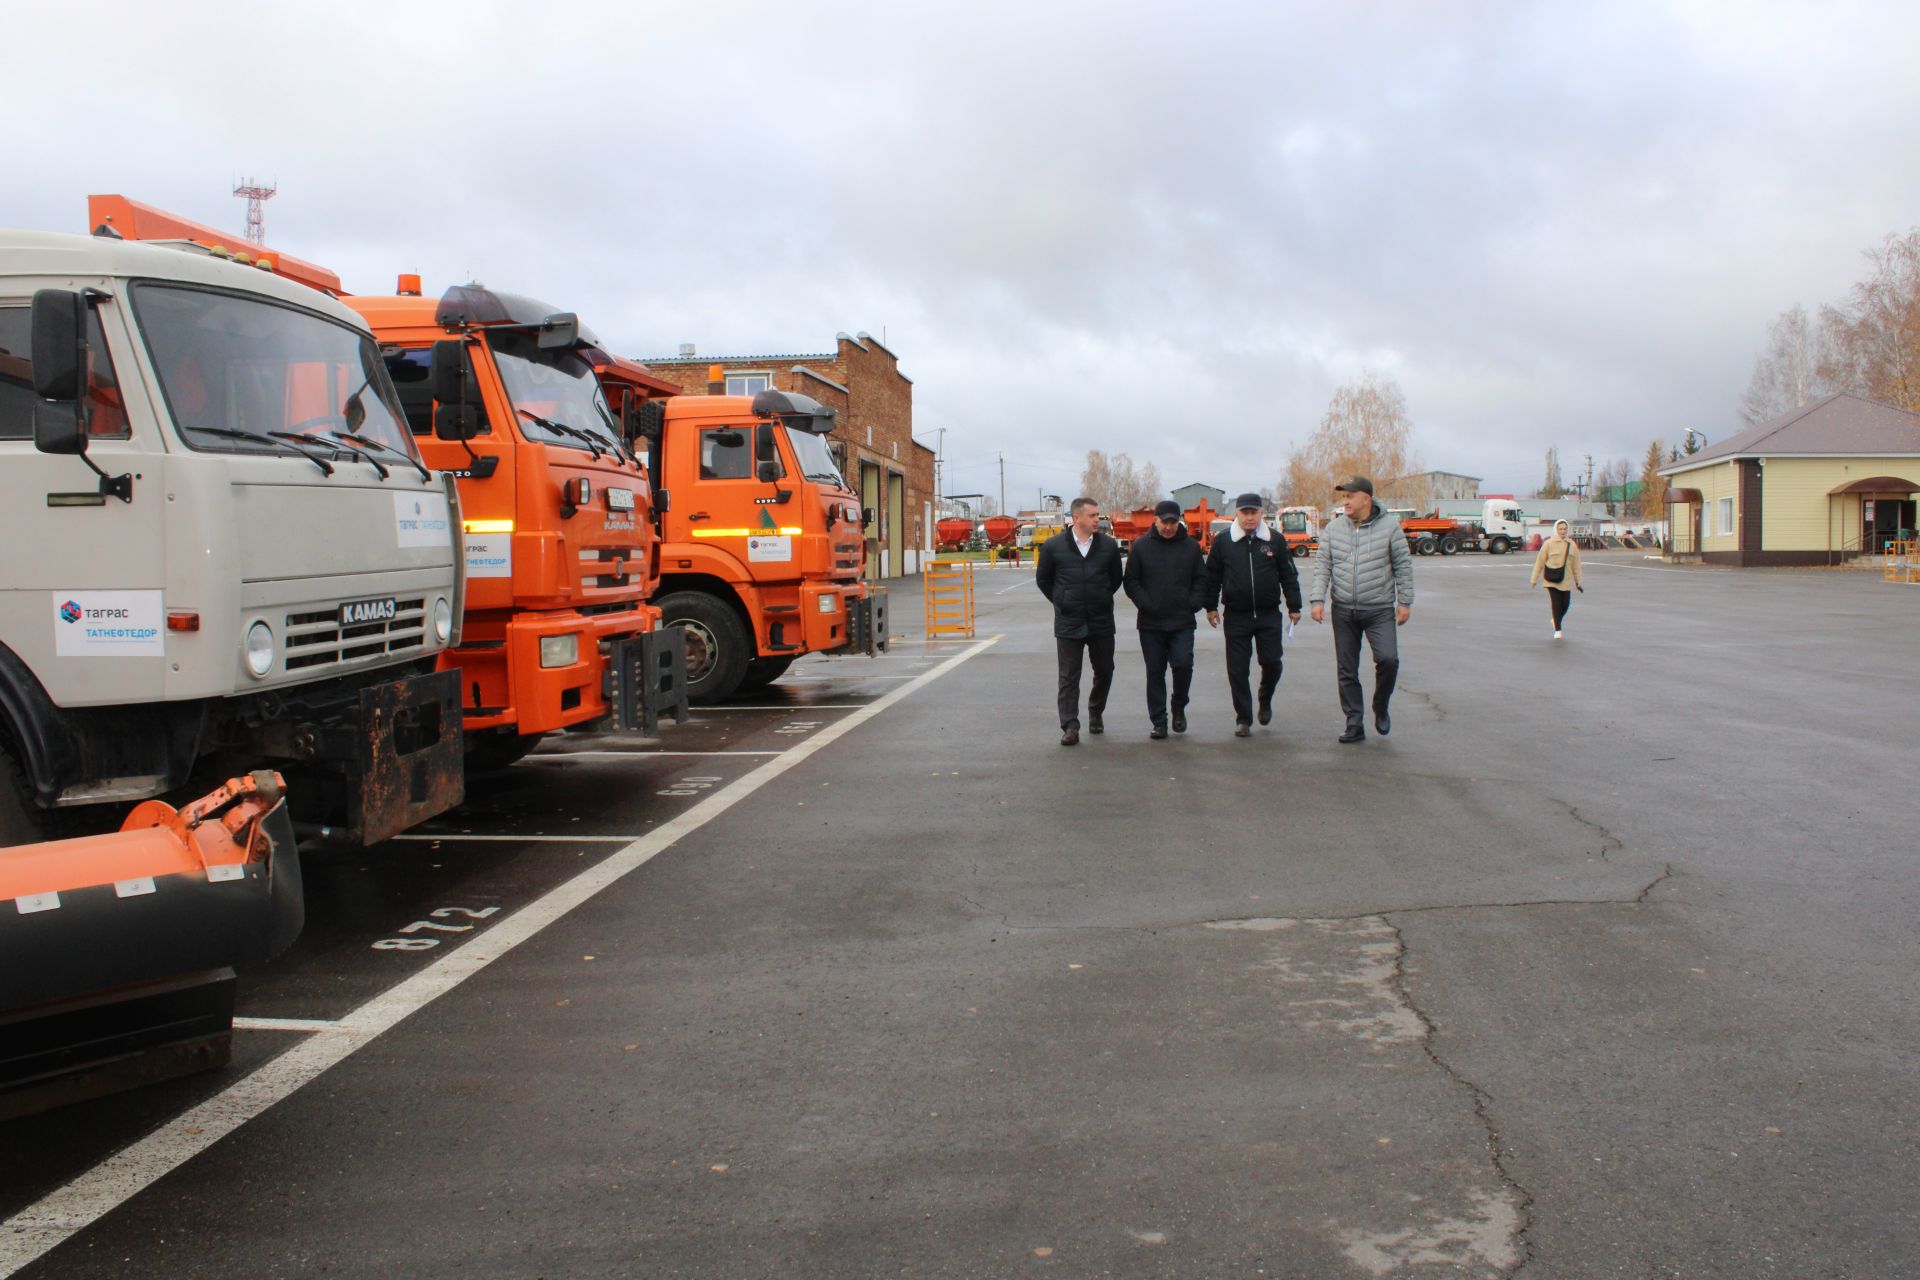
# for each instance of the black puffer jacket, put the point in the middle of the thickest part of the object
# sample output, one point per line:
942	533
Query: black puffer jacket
1080	587
1253	573
1166	580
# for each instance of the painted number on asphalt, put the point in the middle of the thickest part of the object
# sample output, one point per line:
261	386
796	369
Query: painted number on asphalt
438	914
689	787
794	727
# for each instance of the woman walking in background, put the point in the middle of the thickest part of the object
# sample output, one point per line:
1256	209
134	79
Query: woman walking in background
1558	566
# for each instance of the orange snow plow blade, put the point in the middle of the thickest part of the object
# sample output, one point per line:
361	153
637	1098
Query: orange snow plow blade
118	952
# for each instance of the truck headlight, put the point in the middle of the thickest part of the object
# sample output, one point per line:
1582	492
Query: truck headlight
442	619
829	603
259	649
559	651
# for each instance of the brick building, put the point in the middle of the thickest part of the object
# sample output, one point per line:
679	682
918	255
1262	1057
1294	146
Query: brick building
860	380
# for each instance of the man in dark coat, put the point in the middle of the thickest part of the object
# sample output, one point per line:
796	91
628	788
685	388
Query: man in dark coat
1079	571
1252	567
1167	582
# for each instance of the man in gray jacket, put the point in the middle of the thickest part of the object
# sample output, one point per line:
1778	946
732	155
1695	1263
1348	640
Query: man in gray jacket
1365	569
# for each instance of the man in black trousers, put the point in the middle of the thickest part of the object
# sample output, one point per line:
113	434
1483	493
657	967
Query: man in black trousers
1167	582
1079	571
1253	569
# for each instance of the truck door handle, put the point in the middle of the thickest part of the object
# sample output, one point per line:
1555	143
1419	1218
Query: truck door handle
699	515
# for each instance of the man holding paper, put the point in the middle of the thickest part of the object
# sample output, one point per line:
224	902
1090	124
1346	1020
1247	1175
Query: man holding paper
1252	570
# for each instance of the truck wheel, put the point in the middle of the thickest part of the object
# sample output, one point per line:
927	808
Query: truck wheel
492	752
1301	551
1449	545
1498	547
1426	544
718	646
762	672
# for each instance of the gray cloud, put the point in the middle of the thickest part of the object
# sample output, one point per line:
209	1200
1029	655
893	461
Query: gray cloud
1165	230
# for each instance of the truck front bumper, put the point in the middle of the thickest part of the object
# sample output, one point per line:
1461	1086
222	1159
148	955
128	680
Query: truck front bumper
853	618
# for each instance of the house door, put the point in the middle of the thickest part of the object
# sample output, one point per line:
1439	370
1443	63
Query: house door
1885	520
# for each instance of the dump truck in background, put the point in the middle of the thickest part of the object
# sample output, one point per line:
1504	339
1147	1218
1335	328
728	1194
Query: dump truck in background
1300	527
762	548
219	548
118	953
1501	528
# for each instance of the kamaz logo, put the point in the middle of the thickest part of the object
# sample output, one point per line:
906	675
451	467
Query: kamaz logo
367	611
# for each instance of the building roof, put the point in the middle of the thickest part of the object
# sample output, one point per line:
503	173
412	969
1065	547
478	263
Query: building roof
1839	424
735	360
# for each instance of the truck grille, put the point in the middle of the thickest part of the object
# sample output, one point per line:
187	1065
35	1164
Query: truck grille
316	638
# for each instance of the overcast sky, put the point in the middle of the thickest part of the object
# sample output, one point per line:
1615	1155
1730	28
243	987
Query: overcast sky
1165	229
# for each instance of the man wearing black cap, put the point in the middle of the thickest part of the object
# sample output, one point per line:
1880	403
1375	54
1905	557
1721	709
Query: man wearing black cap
1366	571
1167	581
1253	570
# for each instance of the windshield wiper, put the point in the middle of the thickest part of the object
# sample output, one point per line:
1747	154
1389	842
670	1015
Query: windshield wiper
326	441
370	443
234	433
561	428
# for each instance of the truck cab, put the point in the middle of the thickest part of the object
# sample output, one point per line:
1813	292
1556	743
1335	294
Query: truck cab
220	548
499	390
1300	526
762	543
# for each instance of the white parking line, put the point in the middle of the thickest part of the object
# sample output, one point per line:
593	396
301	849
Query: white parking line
284	1024
467	835
641	755
823	706
62	1213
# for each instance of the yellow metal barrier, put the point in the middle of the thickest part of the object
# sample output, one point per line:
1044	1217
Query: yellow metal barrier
1903	561
949	596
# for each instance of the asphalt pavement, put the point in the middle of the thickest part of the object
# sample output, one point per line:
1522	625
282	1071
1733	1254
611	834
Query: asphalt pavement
1599	966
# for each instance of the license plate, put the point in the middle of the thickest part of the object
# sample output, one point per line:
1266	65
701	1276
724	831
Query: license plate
619	499
362	611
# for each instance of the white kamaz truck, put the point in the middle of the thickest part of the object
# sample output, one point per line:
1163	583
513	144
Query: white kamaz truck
219	550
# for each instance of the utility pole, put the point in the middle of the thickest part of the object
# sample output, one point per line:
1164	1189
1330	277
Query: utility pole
1003	484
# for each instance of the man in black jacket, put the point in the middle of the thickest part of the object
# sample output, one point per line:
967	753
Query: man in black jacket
1253	569
1079	571
1167	582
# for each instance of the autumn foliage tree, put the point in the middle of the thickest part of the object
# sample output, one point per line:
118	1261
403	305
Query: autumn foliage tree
1653	486
1366	431
1117	485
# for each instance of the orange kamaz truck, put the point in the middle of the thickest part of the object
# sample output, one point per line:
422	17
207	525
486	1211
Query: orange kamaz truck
762	544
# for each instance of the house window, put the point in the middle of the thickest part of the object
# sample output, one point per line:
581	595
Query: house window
1726	517
748	384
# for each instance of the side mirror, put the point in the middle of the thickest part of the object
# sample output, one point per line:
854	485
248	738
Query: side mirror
456	422
59	336
447	371
662	502
767	472
561	329
764	450
58	350
866	516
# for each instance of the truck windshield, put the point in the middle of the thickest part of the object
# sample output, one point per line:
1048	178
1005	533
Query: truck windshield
815	459
555	395
1293	522
236	369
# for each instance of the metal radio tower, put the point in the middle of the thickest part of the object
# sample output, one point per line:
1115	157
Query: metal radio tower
257	197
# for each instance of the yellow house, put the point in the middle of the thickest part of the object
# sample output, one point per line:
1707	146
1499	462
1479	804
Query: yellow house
1830	480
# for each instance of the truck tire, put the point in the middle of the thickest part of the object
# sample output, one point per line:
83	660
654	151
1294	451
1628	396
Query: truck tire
1498	546
718	645
1301	551
1426	545
494	751
20	818
1449	545
762	672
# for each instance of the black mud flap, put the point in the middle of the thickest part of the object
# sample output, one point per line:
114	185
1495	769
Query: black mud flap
412	763
663	678
867	623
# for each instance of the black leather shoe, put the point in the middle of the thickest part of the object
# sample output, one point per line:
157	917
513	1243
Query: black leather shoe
1159	731
1383	723
1070	737
1179	722
1093	723
1266	711
1242	730
1354	733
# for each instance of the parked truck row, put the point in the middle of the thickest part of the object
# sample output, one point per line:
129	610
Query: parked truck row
257	526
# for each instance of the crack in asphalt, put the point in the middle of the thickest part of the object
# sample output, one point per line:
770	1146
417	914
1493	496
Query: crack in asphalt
1482	1100
1433	704
1606	837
